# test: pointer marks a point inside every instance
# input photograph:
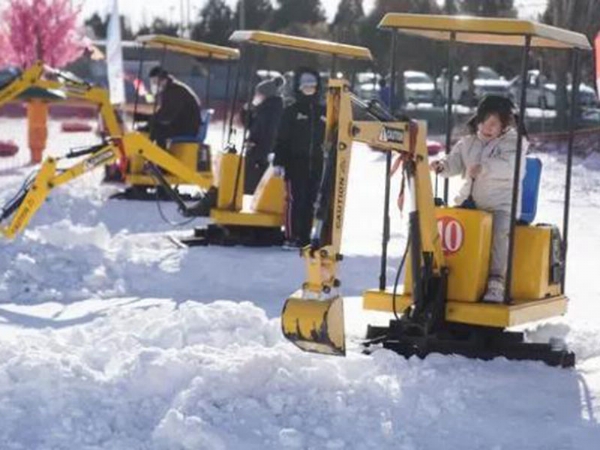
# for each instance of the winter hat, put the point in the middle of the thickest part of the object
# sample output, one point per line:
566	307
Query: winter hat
497	104
308	79
493	104
270	88
158	71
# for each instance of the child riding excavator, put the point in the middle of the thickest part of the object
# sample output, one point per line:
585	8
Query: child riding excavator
447	257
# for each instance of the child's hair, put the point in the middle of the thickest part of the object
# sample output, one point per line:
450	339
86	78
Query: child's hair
503	107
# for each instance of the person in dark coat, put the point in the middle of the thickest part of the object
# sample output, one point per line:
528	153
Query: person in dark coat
262	118
299	155
178	108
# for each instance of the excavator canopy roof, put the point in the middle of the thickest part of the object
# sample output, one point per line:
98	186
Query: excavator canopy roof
479	30
301	44
192	48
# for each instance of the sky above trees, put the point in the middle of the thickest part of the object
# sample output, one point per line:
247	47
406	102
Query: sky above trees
140	11
170	9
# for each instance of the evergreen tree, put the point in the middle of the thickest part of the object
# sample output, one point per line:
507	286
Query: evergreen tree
216	23
411	48
99	26
294	11
488	8
348	19
257	14
160	26
450	8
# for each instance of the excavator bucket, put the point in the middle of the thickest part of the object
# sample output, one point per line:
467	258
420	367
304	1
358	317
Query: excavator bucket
315	325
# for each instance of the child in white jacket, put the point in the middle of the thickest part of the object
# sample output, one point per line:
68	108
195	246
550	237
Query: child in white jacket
486	160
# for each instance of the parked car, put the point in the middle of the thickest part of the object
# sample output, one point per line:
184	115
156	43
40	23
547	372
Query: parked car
487	82
367	85
419	87
541	92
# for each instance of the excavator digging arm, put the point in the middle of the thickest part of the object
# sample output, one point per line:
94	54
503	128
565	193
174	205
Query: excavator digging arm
32	195
312	317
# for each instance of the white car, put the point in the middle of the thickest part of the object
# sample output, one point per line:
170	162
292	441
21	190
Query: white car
487	82
419	87
367	85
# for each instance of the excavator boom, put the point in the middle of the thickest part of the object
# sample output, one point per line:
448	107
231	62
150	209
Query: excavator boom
313	317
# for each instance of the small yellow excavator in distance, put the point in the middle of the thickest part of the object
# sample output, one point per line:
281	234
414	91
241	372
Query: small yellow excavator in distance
438	308
189	150
117	146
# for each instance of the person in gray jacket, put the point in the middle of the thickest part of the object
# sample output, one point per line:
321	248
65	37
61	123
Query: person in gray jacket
486	160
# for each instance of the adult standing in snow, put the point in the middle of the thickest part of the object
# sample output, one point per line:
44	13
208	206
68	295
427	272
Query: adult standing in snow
299	155
486	160
177	108
262	118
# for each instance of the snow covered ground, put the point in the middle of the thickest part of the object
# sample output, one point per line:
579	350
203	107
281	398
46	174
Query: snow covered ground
111	337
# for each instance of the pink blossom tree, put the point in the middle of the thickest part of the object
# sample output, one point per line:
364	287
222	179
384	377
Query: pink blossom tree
45	30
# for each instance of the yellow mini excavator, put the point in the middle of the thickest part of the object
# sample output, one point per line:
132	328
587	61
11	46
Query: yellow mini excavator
439	307
116	146
258	219
192	151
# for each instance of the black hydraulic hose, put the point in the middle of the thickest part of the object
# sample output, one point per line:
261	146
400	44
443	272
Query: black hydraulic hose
160	179
397	279
13	204
158	176
324	196
415	244
85	151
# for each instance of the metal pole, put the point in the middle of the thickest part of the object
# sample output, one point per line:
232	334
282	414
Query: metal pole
228	80
388	166
155	106
449	101
236	91
207	94
242	14
252	61
572	125
516	177
182	16
332	74
137	91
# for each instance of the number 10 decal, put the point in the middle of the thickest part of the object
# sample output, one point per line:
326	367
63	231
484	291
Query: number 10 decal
451	233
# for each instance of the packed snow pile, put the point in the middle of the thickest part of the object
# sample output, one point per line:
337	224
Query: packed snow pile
112	337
